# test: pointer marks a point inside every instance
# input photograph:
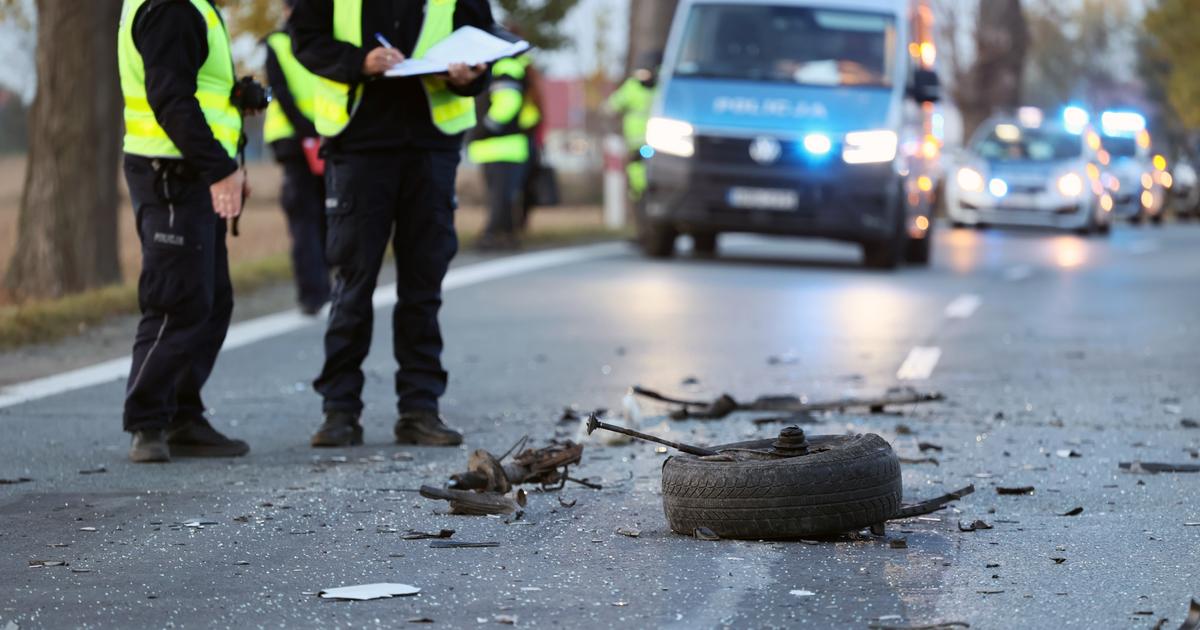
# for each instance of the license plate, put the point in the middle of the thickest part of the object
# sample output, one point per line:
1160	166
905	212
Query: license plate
780	199
1018	201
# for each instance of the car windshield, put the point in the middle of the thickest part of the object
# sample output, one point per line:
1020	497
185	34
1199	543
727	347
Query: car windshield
788	44
1119	146
1010	143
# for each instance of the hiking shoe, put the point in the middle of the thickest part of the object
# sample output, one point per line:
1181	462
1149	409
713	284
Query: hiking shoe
149	447
341	428
198	438
425	428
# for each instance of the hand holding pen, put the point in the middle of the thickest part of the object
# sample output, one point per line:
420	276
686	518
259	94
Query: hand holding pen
383	58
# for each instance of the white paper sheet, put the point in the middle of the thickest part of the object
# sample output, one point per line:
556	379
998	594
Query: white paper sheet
366	592
467	45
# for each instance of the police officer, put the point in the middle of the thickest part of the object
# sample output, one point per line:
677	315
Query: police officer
501	144
181	137
632	101
393	149
289	130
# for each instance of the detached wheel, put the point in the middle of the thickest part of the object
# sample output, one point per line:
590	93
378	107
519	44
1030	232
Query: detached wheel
844	483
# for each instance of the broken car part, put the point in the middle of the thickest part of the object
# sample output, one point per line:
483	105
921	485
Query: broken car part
726	404
932	505
594	423
1156	467
476	503
547	467
788	487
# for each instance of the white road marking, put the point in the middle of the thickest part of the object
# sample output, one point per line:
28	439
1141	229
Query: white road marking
963	306
920	363
255	330
1018	273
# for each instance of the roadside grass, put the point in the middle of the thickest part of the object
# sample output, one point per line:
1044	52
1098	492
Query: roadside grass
52	320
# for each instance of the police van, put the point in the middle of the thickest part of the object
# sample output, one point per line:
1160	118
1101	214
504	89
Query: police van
806	118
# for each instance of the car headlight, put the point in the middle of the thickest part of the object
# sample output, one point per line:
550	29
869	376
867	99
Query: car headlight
673	137
870	147
1070	185
970	179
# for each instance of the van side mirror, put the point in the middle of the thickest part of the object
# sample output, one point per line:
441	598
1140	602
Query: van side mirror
925	87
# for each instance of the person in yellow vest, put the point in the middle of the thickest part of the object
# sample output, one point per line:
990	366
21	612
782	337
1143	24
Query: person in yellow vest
632	101
392	147
531	125
501	146
288	129
182	134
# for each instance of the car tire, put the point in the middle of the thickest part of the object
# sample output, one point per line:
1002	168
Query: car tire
890	253
850	483
1104	229
1135	219
1156	219
704	243
657	239
918	250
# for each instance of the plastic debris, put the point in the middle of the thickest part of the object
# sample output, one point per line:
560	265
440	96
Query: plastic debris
726	404
366	592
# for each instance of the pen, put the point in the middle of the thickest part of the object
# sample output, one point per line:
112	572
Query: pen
383	40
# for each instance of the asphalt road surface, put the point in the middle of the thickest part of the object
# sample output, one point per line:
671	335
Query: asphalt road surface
1042	343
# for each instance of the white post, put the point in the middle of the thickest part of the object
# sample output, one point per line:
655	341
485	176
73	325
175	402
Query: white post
615	194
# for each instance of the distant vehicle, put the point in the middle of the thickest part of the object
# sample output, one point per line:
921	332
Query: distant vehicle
795	117
1029	171
1186	190
1135	177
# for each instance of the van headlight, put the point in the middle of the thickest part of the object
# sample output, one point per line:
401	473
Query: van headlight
969	179
1070	185
870	147
673	137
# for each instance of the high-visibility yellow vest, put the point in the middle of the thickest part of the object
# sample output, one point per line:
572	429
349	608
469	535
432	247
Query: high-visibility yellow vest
301	84
337	102
214	84
509	108
634	100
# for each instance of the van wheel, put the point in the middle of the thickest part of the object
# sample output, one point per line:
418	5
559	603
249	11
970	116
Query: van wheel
890	253
704	243
918	251
657	239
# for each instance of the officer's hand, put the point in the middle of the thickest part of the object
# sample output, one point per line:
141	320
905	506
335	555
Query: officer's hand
227	195
381	60
462	75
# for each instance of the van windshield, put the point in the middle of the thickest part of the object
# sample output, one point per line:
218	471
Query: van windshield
802	45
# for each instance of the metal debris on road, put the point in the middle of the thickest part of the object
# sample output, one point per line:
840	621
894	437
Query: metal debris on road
932	505
1067	453
14	481
1017	490
929	446
1189	423
1073	512
1059	560
455	544
476	503
41	564
919	460
704	533
594	423
802	593
418	620
413	534
1153	468
548	467
94	471
726	404
973	526
365	592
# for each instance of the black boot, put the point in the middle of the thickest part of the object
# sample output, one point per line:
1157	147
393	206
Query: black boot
198	438
341	428
149	447
425	428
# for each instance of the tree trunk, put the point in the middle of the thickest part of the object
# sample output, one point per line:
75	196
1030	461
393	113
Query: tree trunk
994	82
67	232
649	23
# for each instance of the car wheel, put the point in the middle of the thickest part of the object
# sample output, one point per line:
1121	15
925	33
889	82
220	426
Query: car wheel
1156	219
657	239
890	253
1105	228
845	483
918	250
1135	219
704	243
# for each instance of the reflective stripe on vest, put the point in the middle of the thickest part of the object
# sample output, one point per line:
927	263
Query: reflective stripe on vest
214	83
512	148
336	102
300	84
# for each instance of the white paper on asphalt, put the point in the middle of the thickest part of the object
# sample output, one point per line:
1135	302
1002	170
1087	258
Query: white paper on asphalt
255	330
467	45
364	592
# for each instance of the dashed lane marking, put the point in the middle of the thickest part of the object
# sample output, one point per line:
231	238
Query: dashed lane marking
920	363
262	328
1018	273
963	306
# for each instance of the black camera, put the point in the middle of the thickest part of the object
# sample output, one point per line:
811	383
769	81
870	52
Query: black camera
250	95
